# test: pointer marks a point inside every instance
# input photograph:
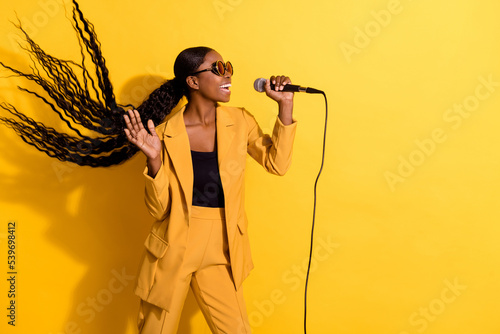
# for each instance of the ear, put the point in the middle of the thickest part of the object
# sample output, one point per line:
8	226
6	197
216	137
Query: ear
192	82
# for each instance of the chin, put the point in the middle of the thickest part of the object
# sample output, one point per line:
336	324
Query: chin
225	99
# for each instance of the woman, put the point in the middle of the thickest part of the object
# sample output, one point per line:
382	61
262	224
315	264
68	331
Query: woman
195	191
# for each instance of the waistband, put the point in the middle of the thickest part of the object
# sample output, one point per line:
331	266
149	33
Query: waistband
202	212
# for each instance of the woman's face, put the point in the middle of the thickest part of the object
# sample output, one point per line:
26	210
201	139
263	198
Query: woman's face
210	85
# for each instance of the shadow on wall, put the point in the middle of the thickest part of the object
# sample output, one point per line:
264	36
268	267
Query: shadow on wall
103	229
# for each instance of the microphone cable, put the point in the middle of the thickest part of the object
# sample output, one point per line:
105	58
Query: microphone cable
314	212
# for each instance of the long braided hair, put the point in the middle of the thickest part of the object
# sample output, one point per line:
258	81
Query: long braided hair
82	99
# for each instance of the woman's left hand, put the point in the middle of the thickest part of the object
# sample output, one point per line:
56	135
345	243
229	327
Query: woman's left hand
277	93
284	99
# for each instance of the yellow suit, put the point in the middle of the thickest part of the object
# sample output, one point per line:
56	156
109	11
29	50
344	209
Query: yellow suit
169	195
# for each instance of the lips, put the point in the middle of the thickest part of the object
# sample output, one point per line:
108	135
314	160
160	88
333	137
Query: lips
225	87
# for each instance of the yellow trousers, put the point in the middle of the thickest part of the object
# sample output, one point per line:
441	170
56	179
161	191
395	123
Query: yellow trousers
206	268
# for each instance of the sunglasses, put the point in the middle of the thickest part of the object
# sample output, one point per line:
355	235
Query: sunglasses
218	68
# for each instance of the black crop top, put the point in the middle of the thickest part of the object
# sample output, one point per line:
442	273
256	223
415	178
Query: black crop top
207	186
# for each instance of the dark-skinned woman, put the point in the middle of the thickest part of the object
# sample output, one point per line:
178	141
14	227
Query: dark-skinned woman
195	191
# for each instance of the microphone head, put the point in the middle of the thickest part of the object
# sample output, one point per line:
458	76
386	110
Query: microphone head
259	85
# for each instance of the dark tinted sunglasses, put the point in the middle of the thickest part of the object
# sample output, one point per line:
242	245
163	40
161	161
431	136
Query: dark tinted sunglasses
218	68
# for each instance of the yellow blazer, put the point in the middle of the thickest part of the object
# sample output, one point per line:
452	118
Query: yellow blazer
169	195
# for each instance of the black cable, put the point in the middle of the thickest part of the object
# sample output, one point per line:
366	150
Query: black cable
314	214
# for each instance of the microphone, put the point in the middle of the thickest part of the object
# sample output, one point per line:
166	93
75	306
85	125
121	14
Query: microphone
260	83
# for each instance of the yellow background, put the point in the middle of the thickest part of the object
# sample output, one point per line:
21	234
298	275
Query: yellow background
407	231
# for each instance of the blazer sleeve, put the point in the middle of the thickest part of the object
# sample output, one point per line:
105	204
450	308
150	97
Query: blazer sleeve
274	152
157	193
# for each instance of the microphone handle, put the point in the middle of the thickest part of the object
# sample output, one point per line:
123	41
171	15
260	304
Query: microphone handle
296	88
289	88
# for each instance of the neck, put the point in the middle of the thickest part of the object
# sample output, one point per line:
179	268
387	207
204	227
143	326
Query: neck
200	112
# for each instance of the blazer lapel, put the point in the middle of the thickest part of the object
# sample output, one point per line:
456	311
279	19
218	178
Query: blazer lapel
225	133
178	149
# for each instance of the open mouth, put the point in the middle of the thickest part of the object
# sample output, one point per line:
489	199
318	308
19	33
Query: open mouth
225	87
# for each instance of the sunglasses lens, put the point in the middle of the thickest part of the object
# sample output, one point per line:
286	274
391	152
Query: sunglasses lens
219	66
220	69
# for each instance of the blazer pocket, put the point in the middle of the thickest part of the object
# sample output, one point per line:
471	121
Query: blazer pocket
156	245
156	248
242	225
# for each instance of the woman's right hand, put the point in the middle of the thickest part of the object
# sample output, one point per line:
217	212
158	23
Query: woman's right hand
148	142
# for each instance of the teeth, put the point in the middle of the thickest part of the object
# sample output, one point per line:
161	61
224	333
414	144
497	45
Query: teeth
225	86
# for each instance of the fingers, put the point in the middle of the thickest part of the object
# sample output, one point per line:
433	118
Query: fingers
138	120
151	127
127	122
130	138
279	82
135	131
135	119
129	129
133	122
277	92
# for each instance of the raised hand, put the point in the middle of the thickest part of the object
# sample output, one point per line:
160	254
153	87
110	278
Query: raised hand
284	99
277	94
147	142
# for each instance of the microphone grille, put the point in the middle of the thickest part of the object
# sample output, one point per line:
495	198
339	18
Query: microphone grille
259	84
